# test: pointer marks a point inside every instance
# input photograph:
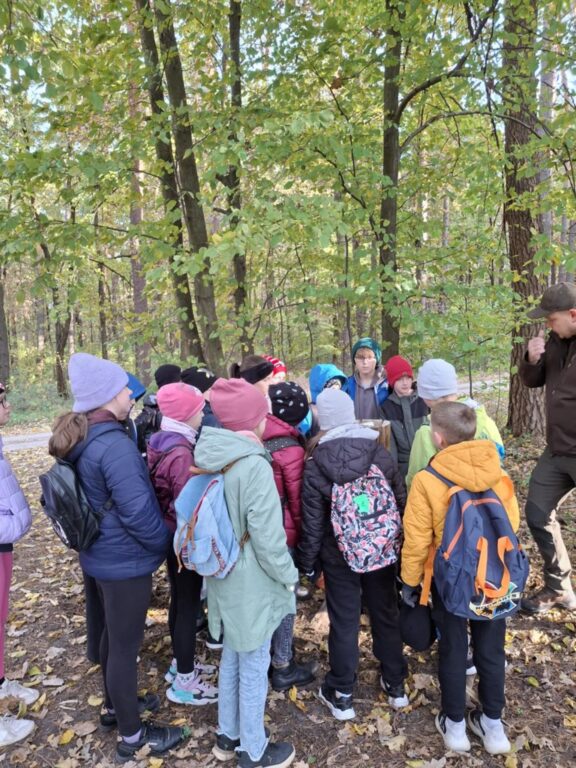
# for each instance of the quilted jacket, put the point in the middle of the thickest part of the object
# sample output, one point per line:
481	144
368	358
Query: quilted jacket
170	457
288	467
133	537
337	461
15	517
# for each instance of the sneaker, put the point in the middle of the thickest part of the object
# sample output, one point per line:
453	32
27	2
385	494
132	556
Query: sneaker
548	598
213	644
204	670
12	688
340	704
148	703
302	592
278	755
283	678
12	730
159	738
194	690
470	666
490	731
225	747
396	695
454	734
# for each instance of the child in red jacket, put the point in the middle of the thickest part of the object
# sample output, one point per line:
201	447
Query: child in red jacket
283	441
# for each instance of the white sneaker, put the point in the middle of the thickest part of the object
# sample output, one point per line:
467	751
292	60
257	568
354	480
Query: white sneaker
490	731
192	689
397	697
204	670
12	688
454	734
12	730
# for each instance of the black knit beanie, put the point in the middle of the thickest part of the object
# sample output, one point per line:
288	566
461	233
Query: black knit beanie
289	402
167	374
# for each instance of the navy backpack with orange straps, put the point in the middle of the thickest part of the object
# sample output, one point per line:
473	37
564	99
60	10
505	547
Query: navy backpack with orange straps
479	569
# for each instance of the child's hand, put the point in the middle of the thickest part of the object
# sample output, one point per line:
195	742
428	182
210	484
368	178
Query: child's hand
410	595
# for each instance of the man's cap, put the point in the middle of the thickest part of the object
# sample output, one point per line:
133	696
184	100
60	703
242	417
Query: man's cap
556	298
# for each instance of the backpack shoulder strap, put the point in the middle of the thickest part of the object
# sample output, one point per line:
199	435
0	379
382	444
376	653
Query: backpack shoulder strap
430	468
278	443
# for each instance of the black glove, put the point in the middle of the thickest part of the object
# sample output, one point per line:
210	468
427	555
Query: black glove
410	596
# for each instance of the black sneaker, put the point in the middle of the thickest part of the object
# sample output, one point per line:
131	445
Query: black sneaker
225	748
278	755
159	738
213	643
283	678
148	703
340	704
396	694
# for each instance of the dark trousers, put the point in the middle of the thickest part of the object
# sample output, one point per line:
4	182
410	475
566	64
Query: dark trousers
94	618
345	593
553	477
185	589
488	648
125	605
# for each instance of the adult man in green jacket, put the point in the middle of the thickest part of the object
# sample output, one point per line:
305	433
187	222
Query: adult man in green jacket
552	362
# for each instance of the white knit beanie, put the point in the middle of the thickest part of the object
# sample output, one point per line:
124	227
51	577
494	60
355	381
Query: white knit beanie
94	381
436	378
335	408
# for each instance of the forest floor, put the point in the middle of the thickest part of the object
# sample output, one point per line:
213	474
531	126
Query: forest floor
46	650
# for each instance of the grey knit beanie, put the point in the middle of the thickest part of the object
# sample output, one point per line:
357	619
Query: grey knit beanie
436	378
335	408
94	381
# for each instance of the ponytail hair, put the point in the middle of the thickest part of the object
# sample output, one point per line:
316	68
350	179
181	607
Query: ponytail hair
68	430
235	371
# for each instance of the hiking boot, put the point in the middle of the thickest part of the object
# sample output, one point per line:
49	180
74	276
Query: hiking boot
279	755
283	678
213	643
225	747
192	689
148	703
12	688
12	730
454	734
340	704
204	670
548	598
396	694
490	731
159	738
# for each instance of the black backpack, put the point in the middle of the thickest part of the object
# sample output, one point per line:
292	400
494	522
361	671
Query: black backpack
147	422
66	506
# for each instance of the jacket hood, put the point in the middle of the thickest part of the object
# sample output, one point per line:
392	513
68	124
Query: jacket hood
164	441
218	447
322	373
344	459
473	465
94	431
275	427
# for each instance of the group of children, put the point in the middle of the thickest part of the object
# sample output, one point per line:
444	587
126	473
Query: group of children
283	461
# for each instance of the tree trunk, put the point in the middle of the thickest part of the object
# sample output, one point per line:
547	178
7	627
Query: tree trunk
191	344
525	406
189	184
102	321
4	342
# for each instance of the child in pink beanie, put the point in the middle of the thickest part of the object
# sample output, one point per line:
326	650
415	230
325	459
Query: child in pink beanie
253	599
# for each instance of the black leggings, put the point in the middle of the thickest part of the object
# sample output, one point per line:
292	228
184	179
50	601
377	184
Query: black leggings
125	605
185	589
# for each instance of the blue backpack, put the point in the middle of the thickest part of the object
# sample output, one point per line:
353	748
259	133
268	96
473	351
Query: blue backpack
479	569
205	541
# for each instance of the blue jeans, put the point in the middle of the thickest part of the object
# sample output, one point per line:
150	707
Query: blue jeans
282	642
242	691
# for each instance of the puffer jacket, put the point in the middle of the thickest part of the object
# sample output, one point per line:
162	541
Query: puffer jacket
15	516
557	370
473	465
133	537
288	467
380	391
170	457
406	415
340	460
254	598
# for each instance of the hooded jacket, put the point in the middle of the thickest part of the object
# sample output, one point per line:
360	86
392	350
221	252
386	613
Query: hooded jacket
423	448
339	460
320	375
254	598
473	465
288	467
133	538
15	517
406	415
557	370
170	457
380	389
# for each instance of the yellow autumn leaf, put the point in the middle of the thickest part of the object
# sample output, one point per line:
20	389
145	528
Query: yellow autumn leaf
34	671
95	701
511	761
155	762
66	737
414	763
570	721
533	682
293	694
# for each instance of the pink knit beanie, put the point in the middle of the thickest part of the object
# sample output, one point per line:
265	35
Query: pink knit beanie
237	404
179	401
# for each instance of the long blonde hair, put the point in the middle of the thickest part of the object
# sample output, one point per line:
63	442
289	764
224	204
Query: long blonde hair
68	430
